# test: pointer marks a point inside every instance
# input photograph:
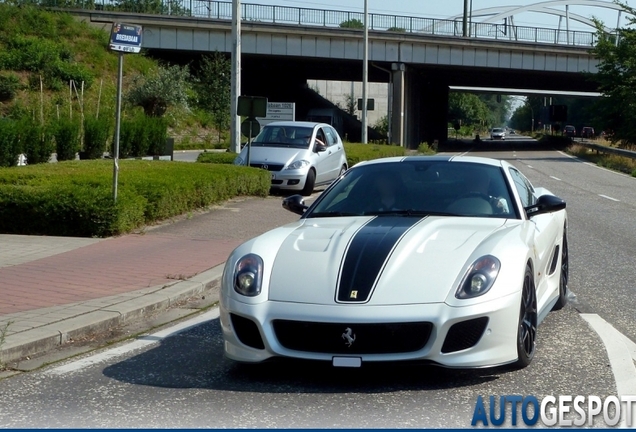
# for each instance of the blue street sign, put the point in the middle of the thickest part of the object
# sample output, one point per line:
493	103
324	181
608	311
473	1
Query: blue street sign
125	38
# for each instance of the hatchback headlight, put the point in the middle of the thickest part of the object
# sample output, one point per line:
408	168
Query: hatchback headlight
248	275
298	165
479	278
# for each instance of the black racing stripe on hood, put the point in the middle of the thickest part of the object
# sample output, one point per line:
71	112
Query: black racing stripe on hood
368	250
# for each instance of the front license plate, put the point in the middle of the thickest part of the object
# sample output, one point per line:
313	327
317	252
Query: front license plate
347	362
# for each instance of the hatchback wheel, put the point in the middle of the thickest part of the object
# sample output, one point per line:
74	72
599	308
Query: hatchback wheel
310	181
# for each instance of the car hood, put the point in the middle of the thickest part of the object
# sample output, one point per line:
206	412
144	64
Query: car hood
274	155
376	260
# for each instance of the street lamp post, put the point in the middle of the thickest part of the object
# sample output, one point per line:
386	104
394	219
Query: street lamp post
365	72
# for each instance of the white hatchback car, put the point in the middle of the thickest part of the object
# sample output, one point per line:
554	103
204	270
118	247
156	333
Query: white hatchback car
498	134
299	155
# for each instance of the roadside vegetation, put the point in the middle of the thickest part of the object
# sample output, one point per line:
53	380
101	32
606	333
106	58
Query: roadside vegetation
614	162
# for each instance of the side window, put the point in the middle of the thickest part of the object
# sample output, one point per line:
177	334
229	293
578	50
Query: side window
334	134
330	140
524	188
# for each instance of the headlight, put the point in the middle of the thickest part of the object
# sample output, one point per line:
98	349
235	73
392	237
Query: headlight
239	161
479	278
248	275
298	165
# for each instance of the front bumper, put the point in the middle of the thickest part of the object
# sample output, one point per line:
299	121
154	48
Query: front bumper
289	179
495	345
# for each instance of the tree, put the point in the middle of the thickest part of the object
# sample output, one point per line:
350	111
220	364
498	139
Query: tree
169	7
165	87
352	23
214	88
616	78
468	108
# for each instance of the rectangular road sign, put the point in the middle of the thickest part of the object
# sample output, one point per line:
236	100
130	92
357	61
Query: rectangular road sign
125	38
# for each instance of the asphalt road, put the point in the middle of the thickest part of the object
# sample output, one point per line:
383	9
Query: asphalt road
178	378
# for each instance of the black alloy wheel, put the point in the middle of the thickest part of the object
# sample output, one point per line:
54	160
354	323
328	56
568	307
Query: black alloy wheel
527	331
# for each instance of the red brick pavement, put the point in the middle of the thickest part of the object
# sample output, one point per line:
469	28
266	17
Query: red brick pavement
113	266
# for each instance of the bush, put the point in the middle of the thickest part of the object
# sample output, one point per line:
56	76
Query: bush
157	128
360	152
217	157
37	141
9	86
9	143
67	138
96	134
77	195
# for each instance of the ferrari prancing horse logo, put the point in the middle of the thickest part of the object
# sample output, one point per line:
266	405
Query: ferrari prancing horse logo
349	336
353	294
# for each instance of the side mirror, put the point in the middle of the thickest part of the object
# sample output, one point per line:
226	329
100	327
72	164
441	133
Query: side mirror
295	204
320	148
545	204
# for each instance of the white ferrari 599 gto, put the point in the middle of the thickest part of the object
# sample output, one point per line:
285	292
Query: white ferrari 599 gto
452	261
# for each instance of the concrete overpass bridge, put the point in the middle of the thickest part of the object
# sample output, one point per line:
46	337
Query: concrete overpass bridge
420	58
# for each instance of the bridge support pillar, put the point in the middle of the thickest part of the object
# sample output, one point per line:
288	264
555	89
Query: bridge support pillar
398	71
430	117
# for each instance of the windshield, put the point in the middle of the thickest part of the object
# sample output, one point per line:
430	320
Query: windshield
284	136
419	188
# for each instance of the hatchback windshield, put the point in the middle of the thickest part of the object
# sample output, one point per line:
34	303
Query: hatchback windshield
283	136
419	188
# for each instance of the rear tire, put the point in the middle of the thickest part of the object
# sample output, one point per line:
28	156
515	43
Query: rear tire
310	181
527	327
565	273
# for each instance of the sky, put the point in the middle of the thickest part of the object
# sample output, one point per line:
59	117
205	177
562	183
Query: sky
444	9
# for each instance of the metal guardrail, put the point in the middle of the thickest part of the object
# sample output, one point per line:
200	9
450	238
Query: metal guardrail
222	10
609	150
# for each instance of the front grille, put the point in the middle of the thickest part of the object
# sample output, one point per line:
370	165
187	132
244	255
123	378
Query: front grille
334	338
268	167
247	331
464	335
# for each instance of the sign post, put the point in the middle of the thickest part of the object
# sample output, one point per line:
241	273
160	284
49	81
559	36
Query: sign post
251	107
123	38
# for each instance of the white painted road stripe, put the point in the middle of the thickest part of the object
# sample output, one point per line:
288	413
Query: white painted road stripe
608	197
621	355
556	178
139	343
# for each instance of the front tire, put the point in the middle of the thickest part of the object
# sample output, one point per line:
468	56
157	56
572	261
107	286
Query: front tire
565	274
527	327
310	182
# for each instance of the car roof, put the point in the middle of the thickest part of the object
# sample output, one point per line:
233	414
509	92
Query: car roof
296	123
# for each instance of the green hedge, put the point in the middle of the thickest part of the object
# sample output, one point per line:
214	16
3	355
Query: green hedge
74	198
357	152
217	157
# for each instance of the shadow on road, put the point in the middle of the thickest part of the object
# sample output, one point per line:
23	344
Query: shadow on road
194	359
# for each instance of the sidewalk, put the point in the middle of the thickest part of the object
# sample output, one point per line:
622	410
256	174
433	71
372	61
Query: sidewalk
54	290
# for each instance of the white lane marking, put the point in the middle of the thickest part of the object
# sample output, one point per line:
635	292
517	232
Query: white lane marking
621	352
608	197
556	178
139	343
530	166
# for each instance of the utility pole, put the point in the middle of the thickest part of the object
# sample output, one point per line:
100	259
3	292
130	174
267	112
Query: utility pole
235	121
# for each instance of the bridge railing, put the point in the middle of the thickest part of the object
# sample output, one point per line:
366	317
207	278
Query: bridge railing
222	10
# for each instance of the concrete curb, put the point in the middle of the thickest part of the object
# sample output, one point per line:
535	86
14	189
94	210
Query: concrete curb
108	313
